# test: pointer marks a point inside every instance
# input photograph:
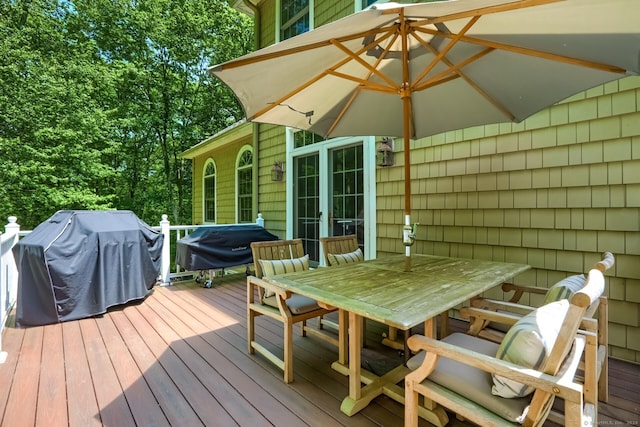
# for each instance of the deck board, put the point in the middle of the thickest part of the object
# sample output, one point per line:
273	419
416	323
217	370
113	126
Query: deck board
81	397
225	378
21	405
134	390
180	358
52	393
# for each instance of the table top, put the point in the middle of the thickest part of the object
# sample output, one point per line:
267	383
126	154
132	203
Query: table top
381	290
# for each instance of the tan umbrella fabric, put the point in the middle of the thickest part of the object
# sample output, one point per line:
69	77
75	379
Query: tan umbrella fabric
422	69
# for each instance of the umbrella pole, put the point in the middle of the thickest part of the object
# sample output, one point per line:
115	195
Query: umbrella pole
405	94
407	236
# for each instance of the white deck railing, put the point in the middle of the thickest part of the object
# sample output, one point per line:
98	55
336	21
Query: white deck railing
8	275
9	270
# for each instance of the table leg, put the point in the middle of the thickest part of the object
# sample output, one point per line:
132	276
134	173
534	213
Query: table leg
355	354
391	340
430	330
343	337
359	397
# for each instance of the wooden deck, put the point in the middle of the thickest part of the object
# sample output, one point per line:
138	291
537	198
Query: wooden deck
180	358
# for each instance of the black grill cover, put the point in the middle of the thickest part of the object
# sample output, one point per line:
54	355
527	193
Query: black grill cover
79	263
219	246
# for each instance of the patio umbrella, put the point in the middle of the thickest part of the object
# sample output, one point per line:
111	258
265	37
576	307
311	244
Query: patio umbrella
421	69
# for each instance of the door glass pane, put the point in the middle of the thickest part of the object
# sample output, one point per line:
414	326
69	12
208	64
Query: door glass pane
347	193
307	209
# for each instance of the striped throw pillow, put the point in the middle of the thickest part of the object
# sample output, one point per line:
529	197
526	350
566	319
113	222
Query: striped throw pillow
282	266
528	344
565	288
348	258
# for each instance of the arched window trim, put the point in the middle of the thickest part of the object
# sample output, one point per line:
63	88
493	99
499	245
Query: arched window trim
242	200
205	176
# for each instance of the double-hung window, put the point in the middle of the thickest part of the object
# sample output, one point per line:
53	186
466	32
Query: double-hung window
295	18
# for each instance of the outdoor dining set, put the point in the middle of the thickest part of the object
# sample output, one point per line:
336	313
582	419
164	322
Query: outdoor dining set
506	370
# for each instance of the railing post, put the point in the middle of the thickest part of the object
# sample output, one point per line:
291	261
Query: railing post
3	297
165	266
8	274
260	220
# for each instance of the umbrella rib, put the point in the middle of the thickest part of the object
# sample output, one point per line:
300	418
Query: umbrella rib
279	102
388	32
343	111
356	57
451	67
365	83
442	54
242	61
456	68
530	52
482	11
442	77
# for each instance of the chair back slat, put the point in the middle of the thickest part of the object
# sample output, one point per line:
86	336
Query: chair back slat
275	250
338	245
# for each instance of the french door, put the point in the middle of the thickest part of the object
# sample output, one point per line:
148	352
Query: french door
331	189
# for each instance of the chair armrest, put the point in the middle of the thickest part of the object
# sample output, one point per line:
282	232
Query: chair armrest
496	305
561	385
262	286
480	314
481	318
519	290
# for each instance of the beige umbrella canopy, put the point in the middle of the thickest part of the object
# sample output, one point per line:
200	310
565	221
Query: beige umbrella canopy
421	69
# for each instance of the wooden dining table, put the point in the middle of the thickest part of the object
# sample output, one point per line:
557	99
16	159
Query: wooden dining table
382	290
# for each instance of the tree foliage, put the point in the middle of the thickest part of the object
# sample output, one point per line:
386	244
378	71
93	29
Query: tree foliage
99	98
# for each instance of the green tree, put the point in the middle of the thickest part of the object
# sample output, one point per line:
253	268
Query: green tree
166	100
99	97
53	128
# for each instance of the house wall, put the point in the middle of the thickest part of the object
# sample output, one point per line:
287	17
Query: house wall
326	12
267	23
554	191
272	195
225	158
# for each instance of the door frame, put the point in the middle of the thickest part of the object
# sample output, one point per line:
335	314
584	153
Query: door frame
369	171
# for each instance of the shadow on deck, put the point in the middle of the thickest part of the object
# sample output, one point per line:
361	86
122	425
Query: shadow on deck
180	358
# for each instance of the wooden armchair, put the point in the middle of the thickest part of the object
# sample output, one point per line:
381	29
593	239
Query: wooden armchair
276	257
340	250
483	323
512	383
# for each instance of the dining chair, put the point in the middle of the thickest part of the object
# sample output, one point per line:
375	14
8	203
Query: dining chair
265	299
341	250
483	324
514	382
